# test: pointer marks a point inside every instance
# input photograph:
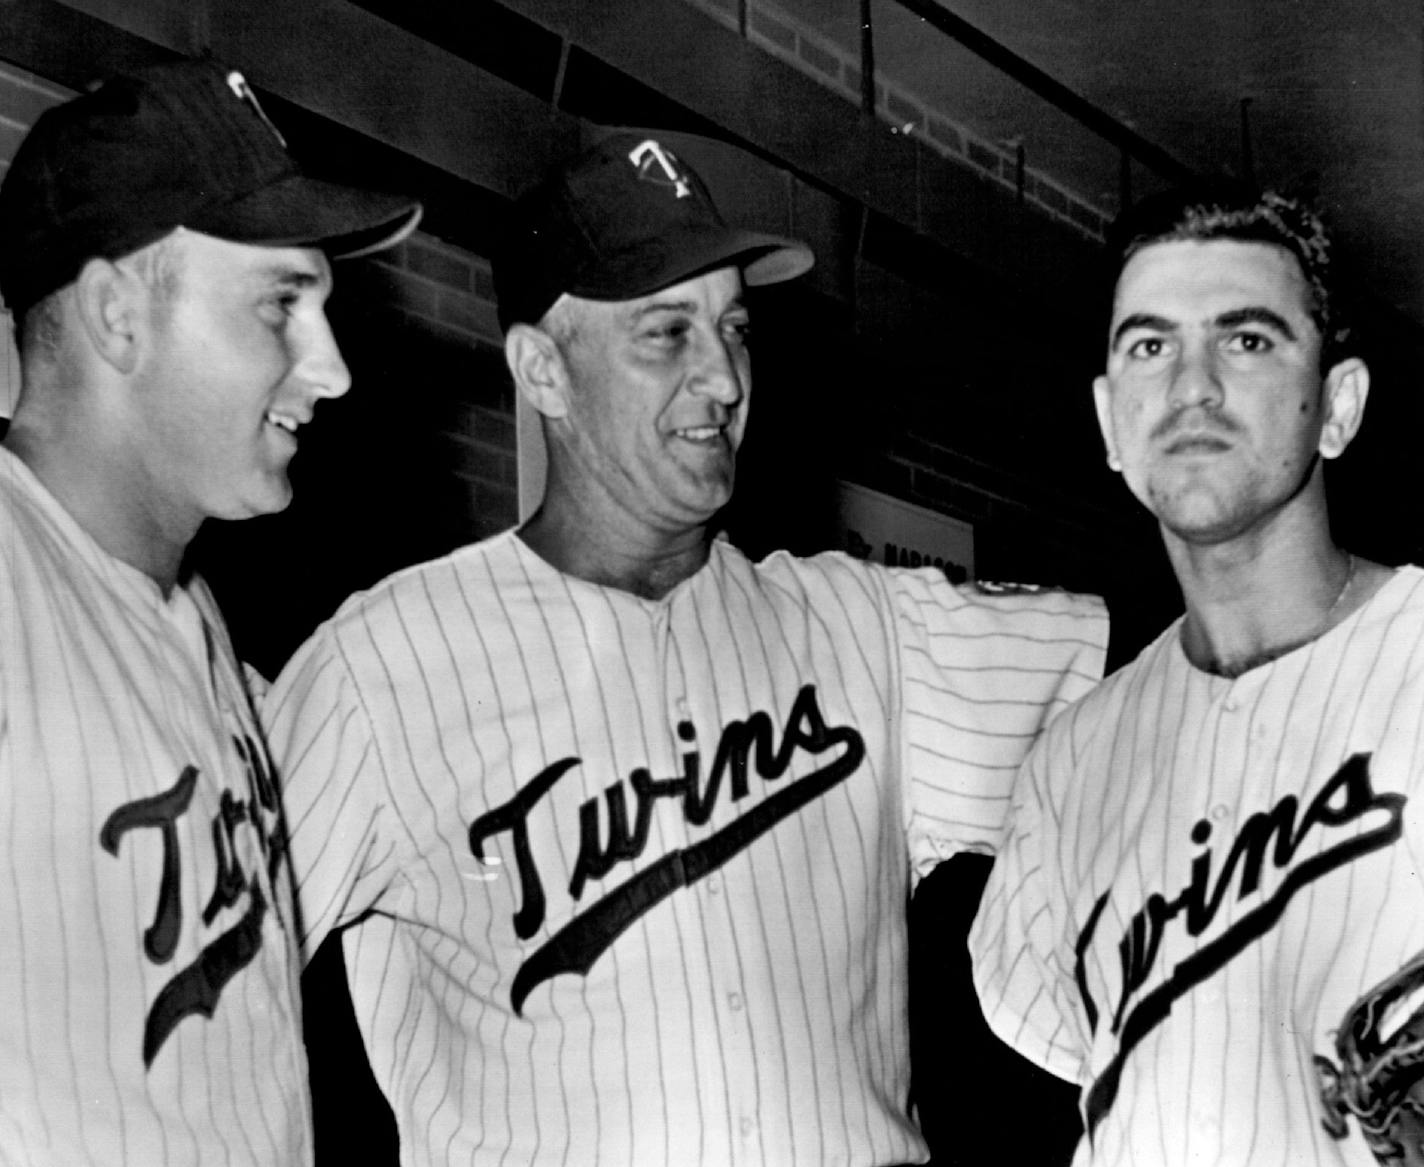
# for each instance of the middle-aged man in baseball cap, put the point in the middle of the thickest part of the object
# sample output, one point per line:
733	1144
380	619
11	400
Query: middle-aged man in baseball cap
166	264
622	822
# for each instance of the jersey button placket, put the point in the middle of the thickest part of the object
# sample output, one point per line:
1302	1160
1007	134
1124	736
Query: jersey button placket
734	1024
695	729
700	908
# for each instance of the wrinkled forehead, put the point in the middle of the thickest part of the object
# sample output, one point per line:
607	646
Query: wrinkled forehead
297	269
709	293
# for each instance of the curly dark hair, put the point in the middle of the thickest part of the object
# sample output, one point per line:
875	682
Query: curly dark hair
1222	209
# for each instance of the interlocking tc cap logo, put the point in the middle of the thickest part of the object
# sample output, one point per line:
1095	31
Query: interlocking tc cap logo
243	92
660	166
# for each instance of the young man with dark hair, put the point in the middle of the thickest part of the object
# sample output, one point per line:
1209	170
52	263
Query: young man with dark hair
1210	880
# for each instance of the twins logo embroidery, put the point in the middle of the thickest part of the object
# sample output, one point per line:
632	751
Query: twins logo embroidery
197	988
658	165
580	942
1265	839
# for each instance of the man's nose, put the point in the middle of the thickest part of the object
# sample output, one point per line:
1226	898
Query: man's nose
321	366
1195	380
723	372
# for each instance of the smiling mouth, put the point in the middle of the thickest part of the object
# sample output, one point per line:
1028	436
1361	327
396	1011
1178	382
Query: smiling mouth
702	434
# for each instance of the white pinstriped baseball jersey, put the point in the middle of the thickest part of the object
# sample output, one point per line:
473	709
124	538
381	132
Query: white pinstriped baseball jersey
149	1008
630	877
1201	876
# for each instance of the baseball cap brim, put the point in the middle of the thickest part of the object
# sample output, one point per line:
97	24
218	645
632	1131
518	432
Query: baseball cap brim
658	263
299	211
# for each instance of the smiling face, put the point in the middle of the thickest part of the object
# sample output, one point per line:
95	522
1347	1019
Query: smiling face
657	403
239	353
1213	403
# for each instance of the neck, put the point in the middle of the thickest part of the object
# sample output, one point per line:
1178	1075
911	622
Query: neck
645	564
99	491
1258	597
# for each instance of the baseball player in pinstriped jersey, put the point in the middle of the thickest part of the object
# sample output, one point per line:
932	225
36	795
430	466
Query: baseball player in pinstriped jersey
623	824
161	255
1212	862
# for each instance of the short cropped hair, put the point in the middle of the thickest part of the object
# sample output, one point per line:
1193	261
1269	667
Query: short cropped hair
39	329
1222	209
561	322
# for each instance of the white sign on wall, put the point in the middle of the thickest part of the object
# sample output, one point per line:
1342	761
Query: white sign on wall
875	526
9	367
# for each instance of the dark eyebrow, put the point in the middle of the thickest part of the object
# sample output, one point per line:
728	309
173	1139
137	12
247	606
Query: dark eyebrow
1256	315
1253	314
283	275
1141	320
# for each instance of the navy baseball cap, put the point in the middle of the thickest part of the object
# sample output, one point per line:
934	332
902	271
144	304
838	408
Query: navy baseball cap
625	219
178	145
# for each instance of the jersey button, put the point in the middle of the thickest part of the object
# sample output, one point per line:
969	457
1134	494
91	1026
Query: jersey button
714	885
747	1125
735	1001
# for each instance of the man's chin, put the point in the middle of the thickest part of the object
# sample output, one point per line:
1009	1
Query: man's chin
710	487
714	500
1205	530
275	497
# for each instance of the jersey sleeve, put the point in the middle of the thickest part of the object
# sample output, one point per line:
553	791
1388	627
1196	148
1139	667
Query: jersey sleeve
345	848
982	674
1018	976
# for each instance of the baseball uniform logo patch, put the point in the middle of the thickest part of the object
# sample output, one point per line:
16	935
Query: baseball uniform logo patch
1265	840
743	745
197	988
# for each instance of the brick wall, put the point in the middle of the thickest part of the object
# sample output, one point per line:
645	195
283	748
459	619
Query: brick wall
783	36
445	294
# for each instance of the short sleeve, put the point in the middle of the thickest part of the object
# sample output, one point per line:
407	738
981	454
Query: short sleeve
983	674
344	845
1017	973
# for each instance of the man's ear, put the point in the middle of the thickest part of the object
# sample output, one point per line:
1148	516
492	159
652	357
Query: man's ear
111	304
1347	386
1102	402
538	369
